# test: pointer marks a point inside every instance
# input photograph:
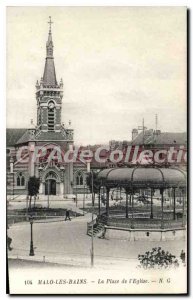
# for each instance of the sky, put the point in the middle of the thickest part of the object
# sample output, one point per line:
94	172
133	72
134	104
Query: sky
118	65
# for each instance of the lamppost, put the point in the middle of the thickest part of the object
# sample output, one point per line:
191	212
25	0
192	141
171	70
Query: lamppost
12	172
48	192
13	184
76	195
84	200
152	193
183	207
89	171
31	253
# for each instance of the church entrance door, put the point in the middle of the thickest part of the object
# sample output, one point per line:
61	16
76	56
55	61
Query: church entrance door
50	187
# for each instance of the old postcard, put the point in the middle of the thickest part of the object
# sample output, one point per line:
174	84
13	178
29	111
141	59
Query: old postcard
97	150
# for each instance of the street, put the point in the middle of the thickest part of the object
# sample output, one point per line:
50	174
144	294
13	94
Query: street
57	241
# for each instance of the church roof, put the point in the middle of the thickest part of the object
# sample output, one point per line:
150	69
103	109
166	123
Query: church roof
16	136
25	138
50	136
42	136
13	135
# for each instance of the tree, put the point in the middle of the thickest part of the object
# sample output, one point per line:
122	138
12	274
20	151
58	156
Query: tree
33	188
157	258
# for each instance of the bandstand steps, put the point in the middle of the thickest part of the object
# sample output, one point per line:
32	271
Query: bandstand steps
97	230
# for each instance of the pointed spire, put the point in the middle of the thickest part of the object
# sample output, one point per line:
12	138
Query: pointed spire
49	44
49	78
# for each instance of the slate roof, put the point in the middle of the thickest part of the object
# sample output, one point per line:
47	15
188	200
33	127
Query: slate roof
172	137
49	77
24	138
42	136
16	136
179	138
50	136
13	135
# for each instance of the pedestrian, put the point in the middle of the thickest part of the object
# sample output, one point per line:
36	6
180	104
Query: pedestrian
9	240
183	256
67	215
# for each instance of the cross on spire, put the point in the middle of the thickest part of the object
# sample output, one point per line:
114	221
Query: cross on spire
50	22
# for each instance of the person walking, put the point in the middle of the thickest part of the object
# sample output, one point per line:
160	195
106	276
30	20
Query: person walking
183	256
67	215
9	240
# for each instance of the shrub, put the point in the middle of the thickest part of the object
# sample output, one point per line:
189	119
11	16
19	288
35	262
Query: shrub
157	258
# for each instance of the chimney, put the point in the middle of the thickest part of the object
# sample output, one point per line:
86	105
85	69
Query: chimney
157	132
134	133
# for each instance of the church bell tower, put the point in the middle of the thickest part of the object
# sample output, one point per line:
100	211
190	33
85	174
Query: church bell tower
49	93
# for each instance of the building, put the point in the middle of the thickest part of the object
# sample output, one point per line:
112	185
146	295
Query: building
155	141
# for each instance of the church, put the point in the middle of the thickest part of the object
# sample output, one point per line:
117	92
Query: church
56	178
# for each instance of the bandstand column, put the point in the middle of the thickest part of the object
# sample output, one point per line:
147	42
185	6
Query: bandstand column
107	202
151	214
174	197
132	203
183	208
99	201
130	199
126	203
162	208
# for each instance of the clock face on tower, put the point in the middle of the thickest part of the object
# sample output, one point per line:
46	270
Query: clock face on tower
51	105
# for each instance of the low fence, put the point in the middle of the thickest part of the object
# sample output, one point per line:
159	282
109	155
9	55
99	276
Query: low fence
141	221
144	223
16	216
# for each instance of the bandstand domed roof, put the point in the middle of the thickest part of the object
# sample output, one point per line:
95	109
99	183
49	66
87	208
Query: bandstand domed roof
141	177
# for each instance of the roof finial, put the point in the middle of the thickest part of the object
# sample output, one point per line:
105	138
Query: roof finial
50	23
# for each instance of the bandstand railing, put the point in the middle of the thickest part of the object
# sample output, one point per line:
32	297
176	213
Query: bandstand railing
91	223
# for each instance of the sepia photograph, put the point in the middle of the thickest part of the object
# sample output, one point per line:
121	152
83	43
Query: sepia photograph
96	150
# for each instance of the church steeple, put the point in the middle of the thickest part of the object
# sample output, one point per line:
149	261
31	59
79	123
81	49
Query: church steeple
49	77
48	92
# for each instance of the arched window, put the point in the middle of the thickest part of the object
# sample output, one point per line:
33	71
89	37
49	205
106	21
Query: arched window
79	179
51	116
51	175
20	180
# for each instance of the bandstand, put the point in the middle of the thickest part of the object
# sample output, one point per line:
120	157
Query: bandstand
155	221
